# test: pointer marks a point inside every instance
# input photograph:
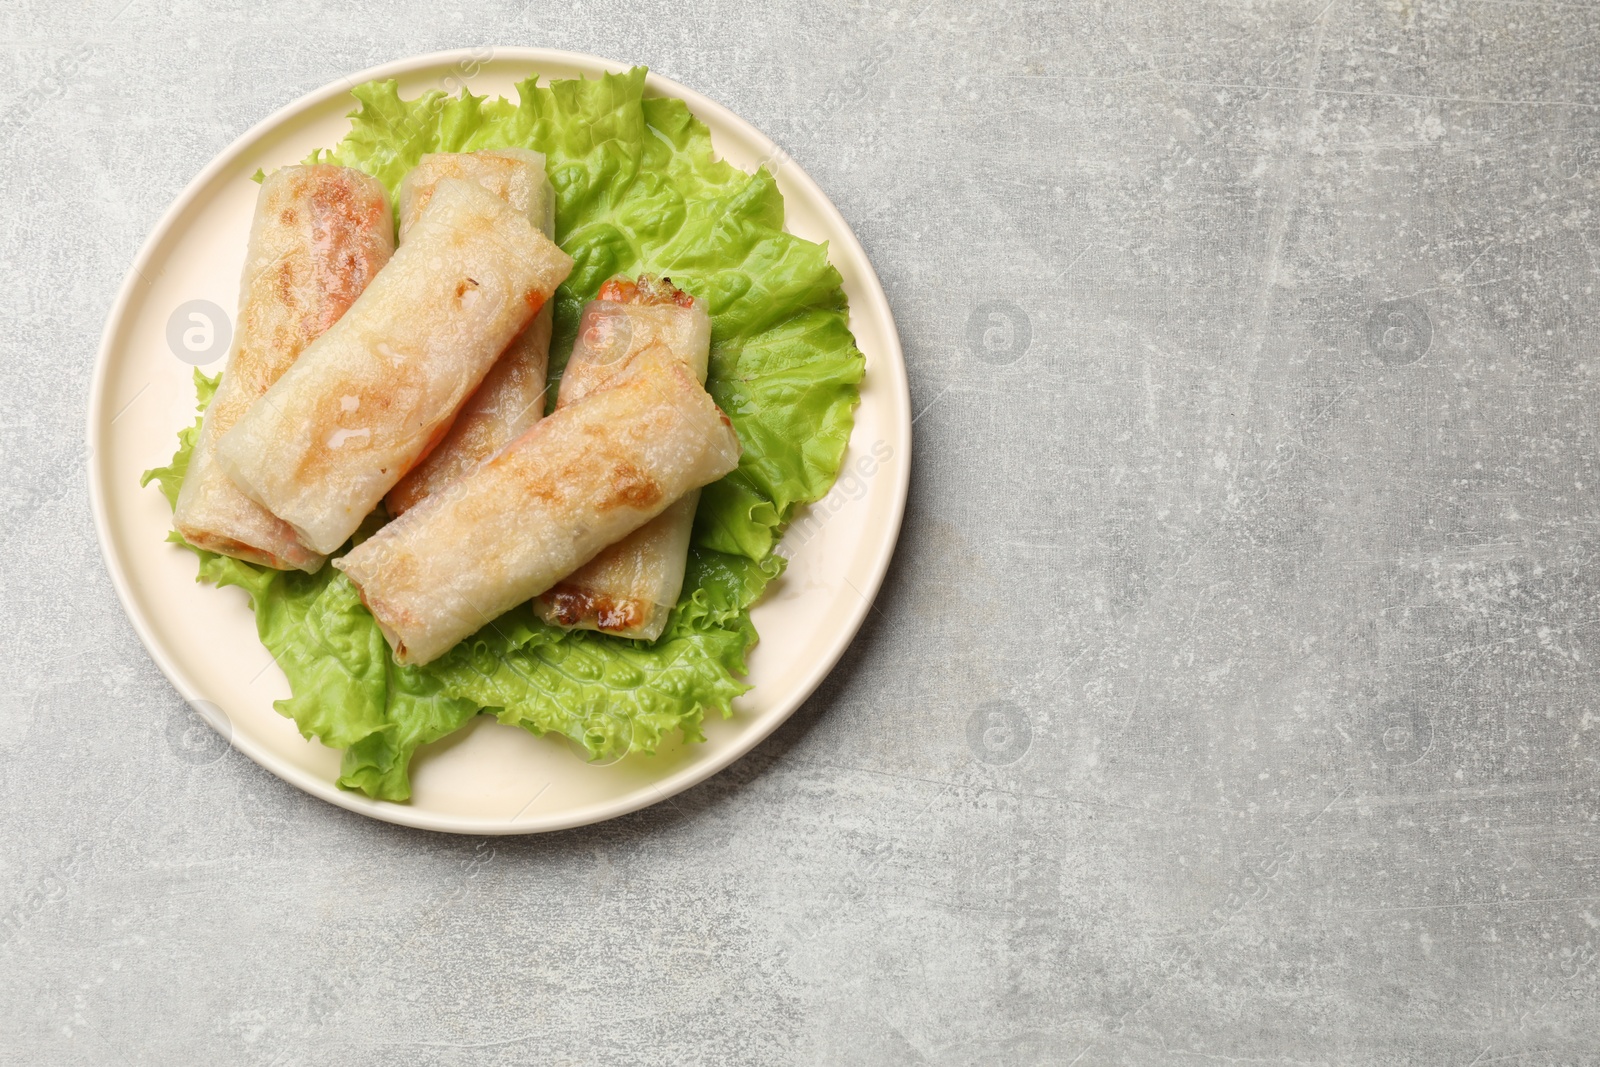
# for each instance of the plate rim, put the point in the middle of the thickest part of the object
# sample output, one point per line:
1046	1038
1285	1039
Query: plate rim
891	362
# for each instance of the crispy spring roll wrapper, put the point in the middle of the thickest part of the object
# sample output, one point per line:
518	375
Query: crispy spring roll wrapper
626	319
515	175
511	397
510	400
576	482
319	235
630	588
370	397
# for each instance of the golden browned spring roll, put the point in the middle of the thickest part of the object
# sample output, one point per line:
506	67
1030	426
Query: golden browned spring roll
319	235
369	398
577	481
630	588
511	397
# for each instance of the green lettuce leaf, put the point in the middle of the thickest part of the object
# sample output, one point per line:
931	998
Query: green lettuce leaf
170	477
638	189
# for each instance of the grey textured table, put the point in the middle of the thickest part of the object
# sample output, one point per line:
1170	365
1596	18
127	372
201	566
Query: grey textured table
1232	698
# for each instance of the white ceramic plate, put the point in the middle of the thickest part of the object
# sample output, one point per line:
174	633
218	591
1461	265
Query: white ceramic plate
487	779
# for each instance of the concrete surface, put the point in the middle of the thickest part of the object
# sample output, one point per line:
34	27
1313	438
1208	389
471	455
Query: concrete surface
1233	695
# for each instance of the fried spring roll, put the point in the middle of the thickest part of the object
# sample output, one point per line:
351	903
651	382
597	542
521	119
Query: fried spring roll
369	398
625	319
511	398
630	588
515	175
576	482
319	235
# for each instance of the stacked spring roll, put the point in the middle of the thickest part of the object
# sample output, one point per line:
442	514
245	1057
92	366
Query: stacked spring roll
511	397
630	588
373	395
416	376
577	481
319	235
